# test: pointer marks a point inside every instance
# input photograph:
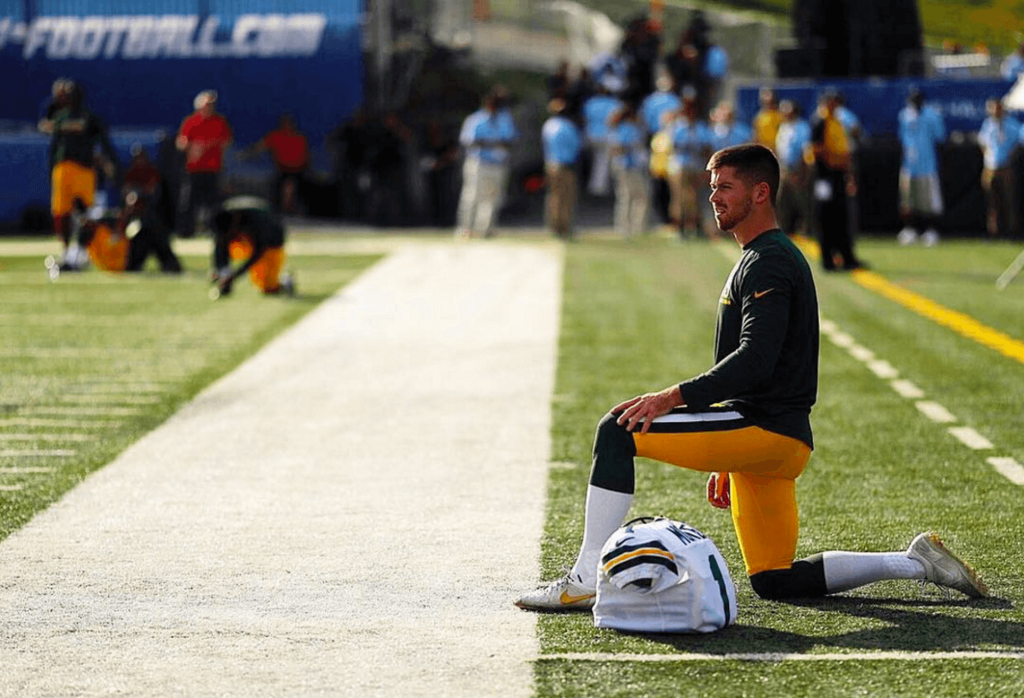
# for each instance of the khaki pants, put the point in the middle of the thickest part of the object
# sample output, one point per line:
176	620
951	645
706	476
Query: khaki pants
561	199
684	204
481	196
631	202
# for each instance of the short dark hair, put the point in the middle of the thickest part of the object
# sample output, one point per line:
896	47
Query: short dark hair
753	163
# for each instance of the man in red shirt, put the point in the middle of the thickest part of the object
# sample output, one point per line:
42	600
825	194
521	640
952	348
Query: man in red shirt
289	149
203	137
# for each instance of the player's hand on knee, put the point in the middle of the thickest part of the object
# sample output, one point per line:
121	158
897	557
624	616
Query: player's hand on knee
718	490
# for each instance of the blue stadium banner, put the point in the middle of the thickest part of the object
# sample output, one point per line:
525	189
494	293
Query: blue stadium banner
144	69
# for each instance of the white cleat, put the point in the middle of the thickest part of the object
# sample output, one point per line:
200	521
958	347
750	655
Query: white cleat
907	236
930	238
559	596
943	568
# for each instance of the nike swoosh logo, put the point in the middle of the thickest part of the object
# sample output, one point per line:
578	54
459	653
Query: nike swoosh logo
762	294
569	599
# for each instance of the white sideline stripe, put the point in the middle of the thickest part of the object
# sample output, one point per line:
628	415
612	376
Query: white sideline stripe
935	412
827	326
883	369
1008	468
907	389
24	471
700	417
779	656
11	488
36	453
861	353
970	438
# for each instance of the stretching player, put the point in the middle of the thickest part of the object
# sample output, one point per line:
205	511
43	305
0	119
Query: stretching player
246	224
746	421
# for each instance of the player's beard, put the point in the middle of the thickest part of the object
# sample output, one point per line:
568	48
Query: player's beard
728	218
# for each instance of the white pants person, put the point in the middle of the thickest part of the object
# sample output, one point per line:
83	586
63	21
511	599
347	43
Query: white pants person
599	183
631	201
481	197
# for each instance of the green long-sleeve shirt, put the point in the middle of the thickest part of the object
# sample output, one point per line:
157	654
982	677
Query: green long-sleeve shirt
766	341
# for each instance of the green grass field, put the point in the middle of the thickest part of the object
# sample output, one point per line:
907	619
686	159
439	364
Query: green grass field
639	317
93	362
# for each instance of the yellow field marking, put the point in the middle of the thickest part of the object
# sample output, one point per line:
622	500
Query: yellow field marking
962	324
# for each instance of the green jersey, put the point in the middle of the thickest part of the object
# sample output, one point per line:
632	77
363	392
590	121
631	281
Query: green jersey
76	133
766	341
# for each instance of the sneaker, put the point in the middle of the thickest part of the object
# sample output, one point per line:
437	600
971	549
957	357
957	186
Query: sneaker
288	284
943	568
930	238
907	236
559	596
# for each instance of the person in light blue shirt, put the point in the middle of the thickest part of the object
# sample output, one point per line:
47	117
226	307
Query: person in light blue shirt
660	102
1013	65
629	163
596	112
999	137
921	130
725	130
691	147
792	140
486	138
562	144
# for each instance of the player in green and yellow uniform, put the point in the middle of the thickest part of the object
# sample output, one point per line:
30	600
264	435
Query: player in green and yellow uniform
746	421
76	134
245	229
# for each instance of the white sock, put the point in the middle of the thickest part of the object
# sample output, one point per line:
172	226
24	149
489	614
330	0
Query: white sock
844	571
605	511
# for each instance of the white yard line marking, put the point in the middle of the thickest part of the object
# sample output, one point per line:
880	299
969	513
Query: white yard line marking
112	398
778	656
861	353
1008	468
935	412
47	437
883	369
841	339
11	488
36	453
59	423
25	471
970	438
81	411
907	389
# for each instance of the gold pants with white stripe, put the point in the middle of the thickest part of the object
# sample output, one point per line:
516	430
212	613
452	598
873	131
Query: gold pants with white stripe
762	466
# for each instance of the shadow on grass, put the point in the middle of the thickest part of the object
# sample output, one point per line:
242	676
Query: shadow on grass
906	625
896	625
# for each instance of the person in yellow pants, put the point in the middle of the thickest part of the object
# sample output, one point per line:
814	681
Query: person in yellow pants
245	229
76	133
746	420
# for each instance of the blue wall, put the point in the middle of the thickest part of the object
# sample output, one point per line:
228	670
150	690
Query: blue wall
877	102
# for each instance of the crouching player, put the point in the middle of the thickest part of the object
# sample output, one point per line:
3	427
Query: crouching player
245	228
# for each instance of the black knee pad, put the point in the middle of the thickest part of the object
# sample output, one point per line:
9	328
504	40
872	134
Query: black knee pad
805	579
614	451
